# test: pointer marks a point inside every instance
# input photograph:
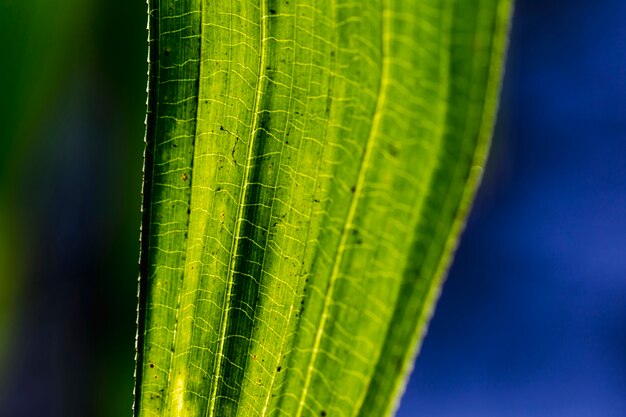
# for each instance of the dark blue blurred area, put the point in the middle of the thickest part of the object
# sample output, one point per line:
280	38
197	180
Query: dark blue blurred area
532	319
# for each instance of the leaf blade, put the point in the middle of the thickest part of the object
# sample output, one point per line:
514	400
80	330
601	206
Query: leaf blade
303	170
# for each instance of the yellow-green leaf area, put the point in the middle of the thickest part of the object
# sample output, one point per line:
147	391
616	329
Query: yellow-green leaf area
309	166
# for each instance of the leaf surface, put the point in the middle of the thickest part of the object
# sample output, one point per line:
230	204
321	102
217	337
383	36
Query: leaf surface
309	166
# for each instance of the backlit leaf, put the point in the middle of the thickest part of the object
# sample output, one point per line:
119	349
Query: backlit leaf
309	166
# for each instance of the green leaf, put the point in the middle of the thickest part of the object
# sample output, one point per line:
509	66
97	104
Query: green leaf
309	166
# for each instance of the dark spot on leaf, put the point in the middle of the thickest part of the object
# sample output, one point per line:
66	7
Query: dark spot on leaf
278	369
188	211
167	50
151	365
323	413
184	177
272	11
353	188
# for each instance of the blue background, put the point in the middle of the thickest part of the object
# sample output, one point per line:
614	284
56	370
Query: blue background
532	319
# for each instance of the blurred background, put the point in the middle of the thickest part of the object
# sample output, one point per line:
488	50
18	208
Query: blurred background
532	319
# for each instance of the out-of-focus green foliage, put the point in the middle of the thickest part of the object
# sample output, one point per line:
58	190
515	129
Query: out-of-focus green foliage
37	39
59	57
